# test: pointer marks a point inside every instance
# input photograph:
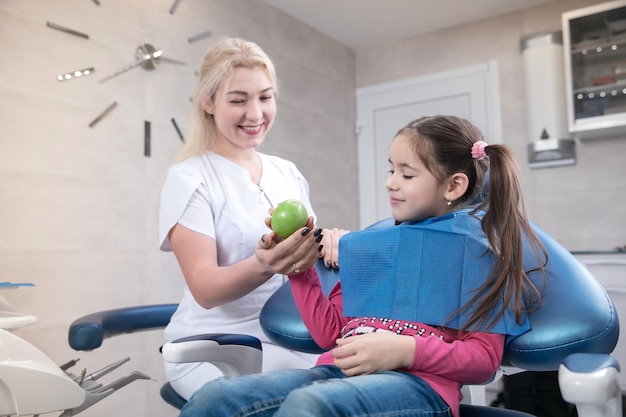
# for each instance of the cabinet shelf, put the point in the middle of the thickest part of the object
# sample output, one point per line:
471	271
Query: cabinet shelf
594	39
599	48
605	90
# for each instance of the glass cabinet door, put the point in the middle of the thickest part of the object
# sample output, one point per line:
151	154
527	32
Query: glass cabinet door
595	61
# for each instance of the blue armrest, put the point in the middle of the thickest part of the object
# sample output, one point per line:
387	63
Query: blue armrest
589	362
591	382
88	332
281	321
234	354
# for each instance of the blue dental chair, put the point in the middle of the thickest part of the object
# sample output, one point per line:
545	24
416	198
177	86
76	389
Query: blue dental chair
573	332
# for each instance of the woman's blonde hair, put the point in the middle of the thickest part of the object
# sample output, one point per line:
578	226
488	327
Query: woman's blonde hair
218	63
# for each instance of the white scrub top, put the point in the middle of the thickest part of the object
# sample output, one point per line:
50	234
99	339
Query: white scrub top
216	197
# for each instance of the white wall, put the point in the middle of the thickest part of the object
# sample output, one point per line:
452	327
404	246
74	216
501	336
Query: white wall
78	206
582	205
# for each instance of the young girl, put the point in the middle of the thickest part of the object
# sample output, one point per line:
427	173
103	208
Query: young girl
426	305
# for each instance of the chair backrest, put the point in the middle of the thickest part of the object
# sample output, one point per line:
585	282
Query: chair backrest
576	315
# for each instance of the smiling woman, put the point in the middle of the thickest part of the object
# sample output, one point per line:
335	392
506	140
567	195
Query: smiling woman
214	204
243	109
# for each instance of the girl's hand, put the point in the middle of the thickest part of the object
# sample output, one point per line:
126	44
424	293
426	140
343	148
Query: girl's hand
372	352
292	255
330	251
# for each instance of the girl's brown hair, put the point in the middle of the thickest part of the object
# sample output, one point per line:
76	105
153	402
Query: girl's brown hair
444	145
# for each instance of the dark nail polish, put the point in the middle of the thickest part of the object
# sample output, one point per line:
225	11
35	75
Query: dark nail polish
320	248
306	231
317	232
319	238
328	264
335	264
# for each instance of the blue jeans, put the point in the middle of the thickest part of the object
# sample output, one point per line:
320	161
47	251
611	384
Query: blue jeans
323	391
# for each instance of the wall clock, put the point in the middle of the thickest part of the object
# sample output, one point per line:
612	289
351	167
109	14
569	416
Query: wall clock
134	66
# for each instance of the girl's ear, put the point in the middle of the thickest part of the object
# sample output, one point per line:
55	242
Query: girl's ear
457	186
207	105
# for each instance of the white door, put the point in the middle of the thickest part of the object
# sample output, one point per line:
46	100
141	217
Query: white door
471	93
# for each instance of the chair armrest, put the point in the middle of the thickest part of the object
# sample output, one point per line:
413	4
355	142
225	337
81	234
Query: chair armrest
280	318
233	354
590	381
88	332
590	362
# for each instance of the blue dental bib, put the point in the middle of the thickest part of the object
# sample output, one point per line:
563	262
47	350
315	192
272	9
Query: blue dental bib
421	272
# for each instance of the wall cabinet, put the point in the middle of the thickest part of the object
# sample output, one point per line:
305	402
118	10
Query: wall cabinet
594	40
610	270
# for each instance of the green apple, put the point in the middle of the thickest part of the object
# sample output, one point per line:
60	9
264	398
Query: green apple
289	216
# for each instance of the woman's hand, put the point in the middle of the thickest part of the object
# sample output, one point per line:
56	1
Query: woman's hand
372	352
330	251
292	255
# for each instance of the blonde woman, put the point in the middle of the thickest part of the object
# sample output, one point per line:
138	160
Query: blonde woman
214	203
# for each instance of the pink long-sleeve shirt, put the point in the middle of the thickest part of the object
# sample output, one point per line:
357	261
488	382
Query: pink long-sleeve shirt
444	358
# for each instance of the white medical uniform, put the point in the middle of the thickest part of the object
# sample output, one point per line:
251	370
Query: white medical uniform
216	197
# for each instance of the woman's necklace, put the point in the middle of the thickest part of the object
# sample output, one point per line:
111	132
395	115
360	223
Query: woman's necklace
263	196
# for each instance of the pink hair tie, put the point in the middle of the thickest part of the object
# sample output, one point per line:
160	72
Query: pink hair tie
478	150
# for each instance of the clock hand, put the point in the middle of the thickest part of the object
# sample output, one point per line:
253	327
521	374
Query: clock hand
147	56
172	61
199	36
67	30
104	113
174	6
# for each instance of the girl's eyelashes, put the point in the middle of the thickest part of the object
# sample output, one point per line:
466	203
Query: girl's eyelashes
405	176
